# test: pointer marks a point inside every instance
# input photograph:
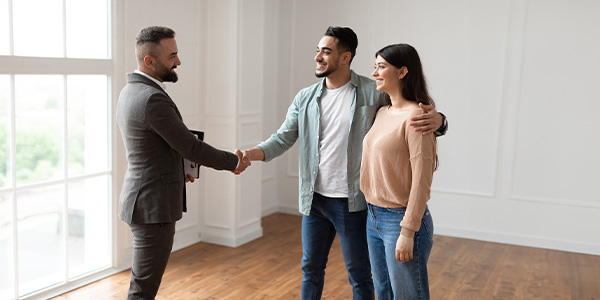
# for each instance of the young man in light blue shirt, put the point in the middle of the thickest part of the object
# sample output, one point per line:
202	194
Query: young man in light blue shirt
330	119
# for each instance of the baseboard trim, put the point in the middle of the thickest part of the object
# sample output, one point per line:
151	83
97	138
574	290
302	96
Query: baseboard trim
289	209
186	237
231	241
519	240
269	210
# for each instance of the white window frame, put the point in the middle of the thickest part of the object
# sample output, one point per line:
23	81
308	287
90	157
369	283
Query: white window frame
18	65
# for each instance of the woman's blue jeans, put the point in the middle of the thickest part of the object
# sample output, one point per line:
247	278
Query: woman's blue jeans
329	216
394	279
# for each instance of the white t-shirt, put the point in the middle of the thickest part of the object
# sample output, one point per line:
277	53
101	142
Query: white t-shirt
332	179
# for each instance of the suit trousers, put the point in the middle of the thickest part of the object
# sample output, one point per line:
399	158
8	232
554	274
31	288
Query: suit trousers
152	245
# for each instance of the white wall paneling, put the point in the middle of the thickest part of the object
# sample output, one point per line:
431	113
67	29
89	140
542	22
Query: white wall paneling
234	42
221	57
218	199
566	94
270	56
250	72
540	198
515	78
250	183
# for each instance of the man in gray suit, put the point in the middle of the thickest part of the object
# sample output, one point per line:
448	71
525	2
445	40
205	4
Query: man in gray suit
156	141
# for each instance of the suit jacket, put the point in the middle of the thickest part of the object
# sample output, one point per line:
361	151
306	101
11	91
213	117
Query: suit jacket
155	141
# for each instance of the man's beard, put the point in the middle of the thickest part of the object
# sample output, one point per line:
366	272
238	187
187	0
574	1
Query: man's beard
330	69
324	74
166	75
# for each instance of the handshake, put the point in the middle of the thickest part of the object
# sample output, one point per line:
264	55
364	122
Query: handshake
246	157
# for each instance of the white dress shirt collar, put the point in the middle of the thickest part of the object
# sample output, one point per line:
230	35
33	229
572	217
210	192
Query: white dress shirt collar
162	85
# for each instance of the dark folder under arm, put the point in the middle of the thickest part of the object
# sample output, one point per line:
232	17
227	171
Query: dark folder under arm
190	167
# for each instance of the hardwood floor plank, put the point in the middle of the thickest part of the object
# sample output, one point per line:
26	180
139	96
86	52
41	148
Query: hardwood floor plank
269	268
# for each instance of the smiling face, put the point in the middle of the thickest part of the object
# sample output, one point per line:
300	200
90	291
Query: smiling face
387	76
327	57
167	61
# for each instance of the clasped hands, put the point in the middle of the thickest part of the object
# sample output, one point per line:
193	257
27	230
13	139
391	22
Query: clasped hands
244	162
242	165
246	157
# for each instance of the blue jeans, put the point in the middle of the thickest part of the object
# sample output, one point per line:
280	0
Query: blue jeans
393	279
329	216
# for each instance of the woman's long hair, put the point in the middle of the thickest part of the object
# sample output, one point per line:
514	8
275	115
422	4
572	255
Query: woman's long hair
413	86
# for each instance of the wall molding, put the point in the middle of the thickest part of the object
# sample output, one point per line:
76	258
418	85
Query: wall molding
514	81
269	210
226	239
249	223
289	209
185	237
246	137
464	193
519	240
239	65
556	201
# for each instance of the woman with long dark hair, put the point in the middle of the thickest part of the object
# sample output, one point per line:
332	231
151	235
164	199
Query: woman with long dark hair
396	175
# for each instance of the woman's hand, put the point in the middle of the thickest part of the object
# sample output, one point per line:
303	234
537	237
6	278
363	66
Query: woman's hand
404	248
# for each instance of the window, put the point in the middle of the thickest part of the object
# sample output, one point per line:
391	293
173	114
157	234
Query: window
55	164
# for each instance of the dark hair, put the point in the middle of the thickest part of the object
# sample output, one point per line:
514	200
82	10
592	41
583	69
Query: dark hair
413	86
149	37
346	39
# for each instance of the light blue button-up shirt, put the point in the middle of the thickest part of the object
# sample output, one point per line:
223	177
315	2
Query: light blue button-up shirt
302	123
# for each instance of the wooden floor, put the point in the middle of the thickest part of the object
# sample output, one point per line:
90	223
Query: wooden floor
269	268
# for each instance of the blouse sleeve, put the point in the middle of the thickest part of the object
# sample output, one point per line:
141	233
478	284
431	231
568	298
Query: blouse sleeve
422	150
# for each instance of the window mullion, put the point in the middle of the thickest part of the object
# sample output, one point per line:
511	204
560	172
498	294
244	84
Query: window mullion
15	254
66	184
64	27
11	36
13	171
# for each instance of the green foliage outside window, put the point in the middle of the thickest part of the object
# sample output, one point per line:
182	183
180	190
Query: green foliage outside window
37	156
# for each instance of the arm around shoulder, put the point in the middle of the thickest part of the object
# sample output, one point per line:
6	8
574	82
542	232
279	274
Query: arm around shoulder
430	121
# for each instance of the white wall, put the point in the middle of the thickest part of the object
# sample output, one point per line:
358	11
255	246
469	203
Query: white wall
515	78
